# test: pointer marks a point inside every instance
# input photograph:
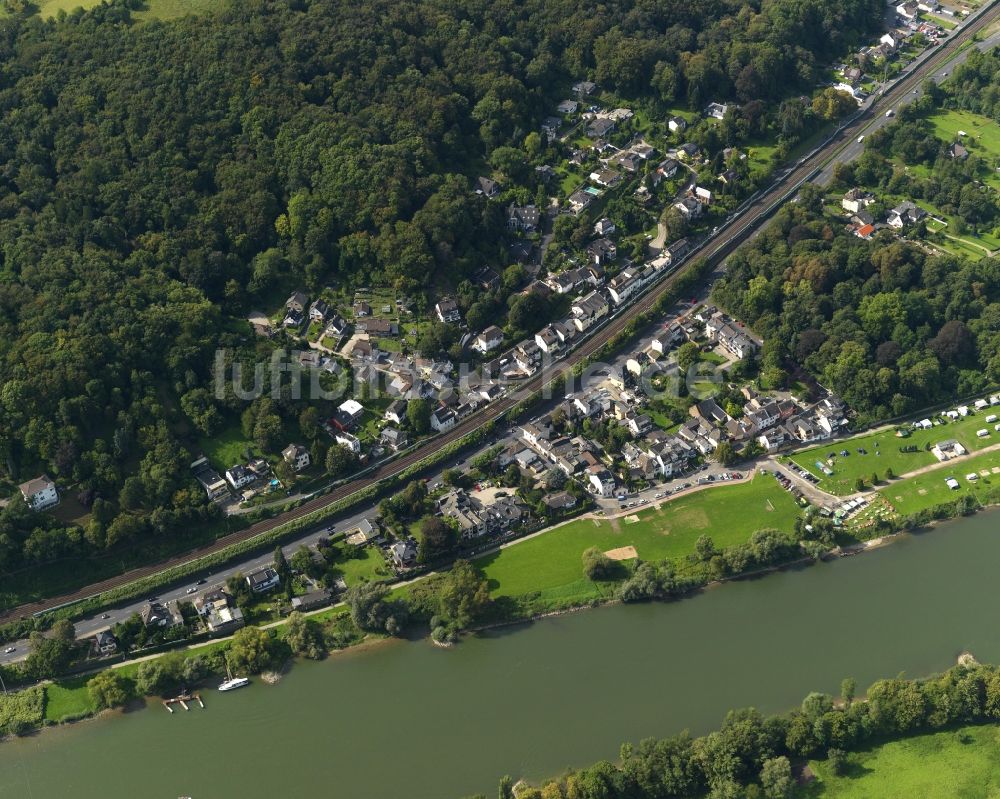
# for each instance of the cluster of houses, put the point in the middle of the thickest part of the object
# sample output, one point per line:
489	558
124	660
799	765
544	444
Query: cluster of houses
864	225
482	513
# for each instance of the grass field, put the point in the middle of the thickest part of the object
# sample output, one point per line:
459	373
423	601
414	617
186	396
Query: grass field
847	470
959	763
155	9
983	133
550	564
68	699
366	568
927	490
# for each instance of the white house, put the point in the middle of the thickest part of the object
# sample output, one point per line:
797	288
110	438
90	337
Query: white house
489	339
263	580
296	456
40	492
238	476
348	442
443	419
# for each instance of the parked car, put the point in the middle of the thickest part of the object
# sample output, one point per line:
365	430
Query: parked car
9	650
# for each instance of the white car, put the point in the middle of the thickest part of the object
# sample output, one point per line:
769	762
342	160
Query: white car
890	113
190	590
861	139
9	650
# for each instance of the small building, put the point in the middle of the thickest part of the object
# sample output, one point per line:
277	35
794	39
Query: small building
311	601
403	554
487	188
394	439
396	412
239	476
716	110
604	227
219	612
155	614
263	580
209	479
296	456
677	124
946	450
40	492
319	311
523	218
958	152
561	500
906	213
447	311
490	339
105	643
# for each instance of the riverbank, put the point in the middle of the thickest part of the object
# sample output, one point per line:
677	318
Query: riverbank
670	666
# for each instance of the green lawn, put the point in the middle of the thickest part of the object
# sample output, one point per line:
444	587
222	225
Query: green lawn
366	568
68	699
550	564
983	133
959	763
927	490
155	9
847	470
227	447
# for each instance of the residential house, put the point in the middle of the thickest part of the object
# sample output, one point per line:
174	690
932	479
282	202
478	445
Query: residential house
443	419
105	643
890	40
486	278
856	199
623	286
155	614
703	194
667	339
958	151
447	310
605	177
40	492
716	110
209	479
403	554
296	456
579	200
364	350
677	124
360	309
864	231
689	207
852	74
396	412
548	340
335	326
602	482
908	10
394	439
318	311
219	612
375	326
604	227
561	500
239	476
677	250
667	168
550	127
584	88
528	355
602	251
729	336
490	339
523	218
367	532
487	188
709	411
588	310
311	600
600	127
297	301
689	151
263	580
567	107
349	413
906	213
349	442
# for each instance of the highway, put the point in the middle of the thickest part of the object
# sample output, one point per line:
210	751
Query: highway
817	165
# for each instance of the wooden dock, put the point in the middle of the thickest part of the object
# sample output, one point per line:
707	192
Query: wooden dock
183	700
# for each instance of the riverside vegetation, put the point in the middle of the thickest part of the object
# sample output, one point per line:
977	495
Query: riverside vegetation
753	757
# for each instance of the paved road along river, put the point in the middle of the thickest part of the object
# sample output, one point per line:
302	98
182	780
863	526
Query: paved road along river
406	719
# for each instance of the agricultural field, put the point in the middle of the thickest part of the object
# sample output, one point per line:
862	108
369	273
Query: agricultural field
927	490
549	565
882	451
957	763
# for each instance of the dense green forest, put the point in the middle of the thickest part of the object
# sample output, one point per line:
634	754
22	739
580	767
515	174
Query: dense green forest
882	323
157	180
885	324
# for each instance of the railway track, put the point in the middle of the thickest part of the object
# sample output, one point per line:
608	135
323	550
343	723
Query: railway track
730	235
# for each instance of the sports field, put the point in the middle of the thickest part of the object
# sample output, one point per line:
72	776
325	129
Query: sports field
549	567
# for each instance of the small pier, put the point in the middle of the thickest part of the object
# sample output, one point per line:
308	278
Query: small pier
183	700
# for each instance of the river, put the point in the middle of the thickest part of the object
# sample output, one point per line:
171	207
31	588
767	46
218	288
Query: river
407	719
